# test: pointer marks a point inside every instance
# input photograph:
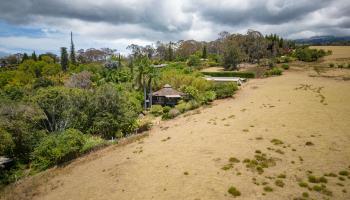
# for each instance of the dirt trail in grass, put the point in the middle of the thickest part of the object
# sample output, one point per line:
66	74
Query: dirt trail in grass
183	158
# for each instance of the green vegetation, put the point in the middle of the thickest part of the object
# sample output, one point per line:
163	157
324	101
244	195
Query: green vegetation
234	191
309	55
276	142
234	160
275	71
268	189
279	183
230	74
314	179
344	173
285	66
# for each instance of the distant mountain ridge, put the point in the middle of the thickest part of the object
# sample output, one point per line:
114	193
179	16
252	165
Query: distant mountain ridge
325	40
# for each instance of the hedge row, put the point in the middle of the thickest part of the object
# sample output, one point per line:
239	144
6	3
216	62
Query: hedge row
231	74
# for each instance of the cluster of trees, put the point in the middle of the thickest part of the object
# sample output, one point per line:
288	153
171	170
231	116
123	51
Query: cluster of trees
304	53
228	50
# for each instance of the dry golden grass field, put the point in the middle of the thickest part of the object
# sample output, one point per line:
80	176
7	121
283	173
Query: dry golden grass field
279	138
340	53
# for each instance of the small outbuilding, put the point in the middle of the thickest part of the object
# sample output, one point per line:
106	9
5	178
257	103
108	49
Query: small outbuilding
167	96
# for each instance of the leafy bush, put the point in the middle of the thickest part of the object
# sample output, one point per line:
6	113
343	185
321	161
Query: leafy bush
6	143
157	110
14	92
309	55
274	72
42	82
58	148
224	90
171	114
193	60
166	109
231	74
209	96
331	65
340	65
285	66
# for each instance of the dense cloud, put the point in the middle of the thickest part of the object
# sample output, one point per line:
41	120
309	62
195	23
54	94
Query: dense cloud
116	23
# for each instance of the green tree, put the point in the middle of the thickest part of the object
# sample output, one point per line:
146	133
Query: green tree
25	57
72	50
204	52
63	108
64	59
231	58
34	57
114	111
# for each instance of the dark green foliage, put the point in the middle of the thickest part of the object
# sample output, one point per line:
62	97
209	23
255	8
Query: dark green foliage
231	57
234	160
224	90
268	189
13	92
58	148
204	52
72	50
309	55
23	123
234	191
42	82
285	66
231	74
63	107
113	111
275	71
157	110
6	143
64	59
305	194
34	57
331	65
314	179
279	183
193	61
344	173
25	57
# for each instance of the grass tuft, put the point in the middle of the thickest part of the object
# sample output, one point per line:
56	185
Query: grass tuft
234	191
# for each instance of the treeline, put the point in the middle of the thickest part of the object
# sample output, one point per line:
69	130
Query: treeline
228	50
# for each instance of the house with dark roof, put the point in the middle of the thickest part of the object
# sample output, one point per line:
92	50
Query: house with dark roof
167	96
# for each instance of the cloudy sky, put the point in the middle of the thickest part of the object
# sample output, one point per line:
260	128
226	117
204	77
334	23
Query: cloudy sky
44	25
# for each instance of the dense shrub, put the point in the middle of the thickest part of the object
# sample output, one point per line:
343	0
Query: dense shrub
285	66
274	72
6	143
157	110
224	90
23	123
309	55
231	74
113	110
209	96
171	114
193	60
58	148
331	65
340	65
42	82
13	92
64	107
